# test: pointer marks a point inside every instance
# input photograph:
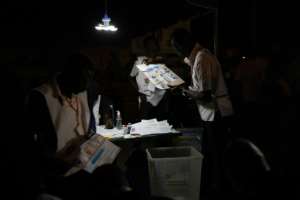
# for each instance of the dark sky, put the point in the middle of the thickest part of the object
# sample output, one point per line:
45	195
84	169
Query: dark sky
52	22
48	22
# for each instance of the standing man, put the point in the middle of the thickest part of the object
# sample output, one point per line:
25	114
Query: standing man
209	91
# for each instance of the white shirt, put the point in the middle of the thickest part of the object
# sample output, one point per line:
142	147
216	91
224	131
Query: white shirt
207	75
153	94
64	118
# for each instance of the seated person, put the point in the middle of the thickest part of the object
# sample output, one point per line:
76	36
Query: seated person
59	119
152	101
58	111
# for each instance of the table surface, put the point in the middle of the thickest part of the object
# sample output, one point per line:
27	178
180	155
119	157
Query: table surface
118	135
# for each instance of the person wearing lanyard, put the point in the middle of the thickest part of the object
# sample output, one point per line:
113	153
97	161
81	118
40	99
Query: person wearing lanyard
58	118
209	91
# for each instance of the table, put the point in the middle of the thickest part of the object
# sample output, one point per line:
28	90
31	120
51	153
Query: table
129	143
118	136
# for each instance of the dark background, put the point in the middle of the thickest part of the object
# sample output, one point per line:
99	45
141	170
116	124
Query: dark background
47	23
33	33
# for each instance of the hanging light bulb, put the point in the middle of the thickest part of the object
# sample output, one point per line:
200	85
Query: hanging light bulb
106	26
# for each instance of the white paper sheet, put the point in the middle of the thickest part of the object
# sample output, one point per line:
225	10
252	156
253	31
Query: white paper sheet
148	127
96	152
110	133
160	75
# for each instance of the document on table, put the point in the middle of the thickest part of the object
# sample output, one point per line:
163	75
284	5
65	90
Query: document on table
109	133
152	126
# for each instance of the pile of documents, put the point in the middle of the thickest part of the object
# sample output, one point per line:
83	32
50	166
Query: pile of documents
152	126
143	128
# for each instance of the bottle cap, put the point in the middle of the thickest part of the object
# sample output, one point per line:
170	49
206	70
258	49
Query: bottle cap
118	114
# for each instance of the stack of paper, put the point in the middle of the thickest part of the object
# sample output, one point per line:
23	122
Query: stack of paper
152	126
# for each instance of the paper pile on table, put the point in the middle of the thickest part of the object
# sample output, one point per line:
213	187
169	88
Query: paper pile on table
152	126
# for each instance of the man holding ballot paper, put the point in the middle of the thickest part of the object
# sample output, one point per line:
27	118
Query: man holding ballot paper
209	91
152	79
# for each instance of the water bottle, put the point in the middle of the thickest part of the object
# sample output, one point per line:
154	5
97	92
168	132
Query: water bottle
119	120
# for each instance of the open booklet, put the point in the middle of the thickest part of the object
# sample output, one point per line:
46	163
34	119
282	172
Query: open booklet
95	152
160	75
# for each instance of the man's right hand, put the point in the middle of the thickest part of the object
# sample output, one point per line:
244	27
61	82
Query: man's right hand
143	97
204	97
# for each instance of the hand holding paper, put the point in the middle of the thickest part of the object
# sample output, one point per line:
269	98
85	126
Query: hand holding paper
160	75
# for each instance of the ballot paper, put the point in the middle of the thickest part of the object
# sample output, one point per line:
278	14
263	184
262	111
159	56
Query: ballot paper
152	126
96	152
160	75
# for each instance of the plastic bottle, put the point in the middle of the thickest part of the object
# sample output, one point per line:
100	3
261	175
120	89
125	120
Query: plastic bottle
118	120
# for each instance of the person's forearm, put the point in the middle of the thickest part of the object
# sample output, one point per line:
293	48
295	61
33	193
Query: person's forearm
194	94
204	96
